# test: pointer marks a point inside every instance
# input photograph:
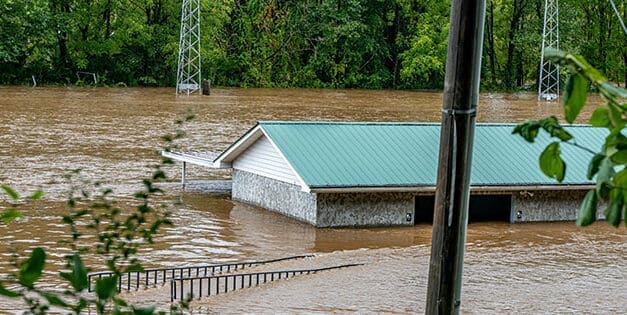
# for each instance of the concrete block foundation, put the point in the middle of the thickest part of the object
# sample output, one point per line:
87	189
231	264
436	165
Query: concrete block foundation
274	195
389	208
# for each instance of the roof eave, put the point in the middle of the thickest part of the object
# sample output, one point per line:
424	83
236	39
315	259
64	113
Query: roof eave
431	189
234	150
182	156
226	158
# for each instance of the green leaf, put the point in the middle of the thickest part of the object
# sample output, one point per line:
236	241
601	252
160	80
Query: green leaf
32	268
528	130
600	117
78	277
551	162
144	310
606	172
588	209
10	215
37	195
614	142
10	192
620	157
616	116
54	300
8	293
561	134
620	180
120	302
575	94
613	211
553	127
593	167
530	133
106	288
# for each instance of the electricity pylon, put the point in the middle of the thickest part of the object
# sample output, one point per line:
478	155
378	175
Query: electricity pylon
188	72
549	79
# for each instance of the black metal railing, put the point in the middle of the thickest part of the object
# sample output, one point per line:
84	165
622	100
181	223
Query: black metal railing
154	276
214	285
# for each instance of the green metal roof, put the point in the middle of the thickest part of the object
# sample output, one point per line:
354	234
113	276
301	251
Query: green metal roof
341	154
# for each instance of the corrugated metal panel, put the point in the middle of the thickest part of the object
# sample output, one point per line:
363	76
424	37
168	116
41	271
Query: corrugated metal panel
263	159
330	154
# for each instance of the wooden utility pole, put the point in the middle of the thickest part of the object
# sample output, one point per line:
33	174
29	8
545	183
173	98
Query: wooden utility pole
461	95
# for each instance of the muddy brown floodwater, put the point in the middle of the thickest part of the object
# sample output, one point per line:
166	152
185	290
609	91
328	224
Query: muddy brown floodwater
112	134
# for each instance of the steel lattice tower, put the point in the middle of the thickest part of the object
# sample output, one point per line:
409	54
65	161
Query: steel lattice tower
188	72
549	79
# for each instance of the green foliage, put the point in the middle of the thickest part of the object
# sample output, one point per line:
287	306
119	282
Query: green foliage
424	56
10	192
574	96
32	268
116	236
37	195
10	215
106	287
273	43
588	210
551	162
600	117
78	275
529	129
8	293
609	166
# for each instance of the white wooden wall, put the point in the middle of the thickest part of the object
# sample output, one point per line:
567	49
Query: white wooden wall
263	159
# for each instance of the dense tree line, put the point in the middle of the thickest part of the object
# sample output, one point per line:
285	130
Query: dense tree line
293	43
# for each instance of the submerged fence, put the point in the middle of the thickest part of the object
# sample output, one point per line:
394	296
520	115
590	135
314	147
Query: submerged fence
198	287
154	276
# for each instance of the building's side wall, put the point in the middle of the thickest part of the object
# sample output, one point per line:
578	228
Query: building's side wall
365	209
534	206
263	159
284	198
383	209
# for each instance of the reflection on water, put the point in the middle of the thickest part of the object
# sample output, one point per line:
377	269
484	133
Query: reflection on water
114	133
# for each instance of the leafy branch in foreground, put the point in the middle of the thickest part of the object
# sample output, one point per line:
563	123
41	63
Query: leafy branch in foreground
608	165
100	228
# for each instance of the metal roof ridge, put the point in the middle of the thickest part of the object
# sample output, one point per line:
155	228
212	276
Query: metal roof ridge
392	123
323	122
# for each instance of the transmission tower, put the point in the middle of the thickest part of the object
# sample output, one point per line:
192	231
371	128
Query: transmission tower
549	79
188	72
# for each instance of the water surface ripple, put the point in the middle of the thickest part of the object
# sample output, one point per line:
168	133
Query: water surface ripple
113	134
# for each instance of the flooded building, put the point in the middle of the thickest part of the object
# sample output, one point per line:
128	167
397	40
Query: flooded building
332	174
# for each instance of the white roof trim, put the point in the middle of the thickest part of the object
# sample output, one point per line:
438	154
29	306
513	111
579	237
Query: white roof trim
304	187
183	157
225	159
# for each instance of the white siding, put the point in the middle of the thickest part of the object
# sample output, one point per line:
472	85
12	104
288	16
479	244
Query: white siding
263	159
